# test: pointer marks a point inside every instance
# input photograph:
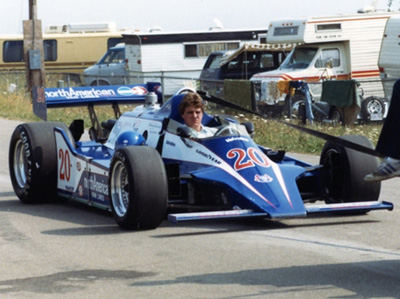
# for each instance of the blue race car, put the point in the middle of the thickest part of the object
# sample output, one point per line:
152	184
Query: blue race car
143	165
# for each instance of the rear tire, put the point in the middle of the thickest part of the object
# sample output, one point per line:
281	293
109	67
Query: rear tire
345	170
33	161
138	188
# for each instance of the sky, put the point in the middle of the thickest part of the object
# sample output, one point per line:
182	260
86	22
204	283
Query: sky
175	15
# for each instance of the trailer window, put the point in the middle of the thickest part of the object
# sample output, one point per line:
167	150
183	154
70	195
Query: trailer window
205	49
50	50
191	51
286	31
330	57
13	51
232	46
329	27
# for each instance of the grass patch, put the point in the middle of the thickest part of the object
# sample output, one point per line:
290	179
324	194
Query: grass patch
278	136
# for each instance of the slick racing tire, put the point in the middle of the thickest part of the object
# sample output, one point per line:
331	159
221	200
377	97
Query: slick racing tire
33	161
344	171
138	188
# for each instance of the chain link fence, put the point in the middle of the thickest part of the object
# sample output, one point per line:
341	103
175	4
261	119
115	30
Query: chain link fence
241	92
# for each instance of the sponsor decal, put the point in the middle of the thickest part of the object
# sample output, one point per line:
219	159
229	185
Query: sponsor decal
127	91
155	125
78	166
265	178
168	142
70	93
236	139
136	125
69	188
125	124
98	188
208	156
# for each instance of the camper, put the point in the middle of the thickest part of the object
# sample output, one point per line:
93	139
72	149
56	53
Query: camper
331	48
69	48
389	59
177	58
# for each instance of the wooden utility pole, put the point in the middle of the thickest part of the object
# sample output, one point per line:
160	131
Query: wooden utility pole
33	49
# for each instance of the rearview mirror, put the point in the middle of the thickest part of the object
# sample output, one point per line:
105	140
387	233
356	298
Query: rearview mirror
249	127
184	132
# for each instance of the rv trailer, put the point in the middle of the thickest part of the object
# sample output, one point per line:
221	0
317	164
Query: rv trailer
332	48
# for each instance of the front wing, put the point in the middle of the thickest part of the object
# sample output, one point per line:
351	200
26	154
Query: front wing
355	207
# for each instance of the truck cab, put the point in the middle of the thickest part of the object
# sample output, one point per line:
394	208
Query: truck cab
109	70
311	63
240	64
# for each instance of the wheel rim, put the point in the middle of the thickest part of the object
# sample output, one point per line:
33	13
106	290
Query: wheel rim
119	189
374	107
20	164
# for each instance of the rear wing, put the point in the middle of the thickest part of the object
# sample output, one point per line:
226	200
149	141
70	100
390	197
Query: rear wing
90	96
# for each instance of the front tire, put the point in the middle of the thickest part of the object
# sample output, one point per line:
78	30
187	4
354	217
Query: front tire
345	169
138	188
33	161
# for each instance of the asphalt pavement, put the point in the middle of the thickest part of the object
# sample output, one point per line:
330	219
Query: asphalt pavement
67	250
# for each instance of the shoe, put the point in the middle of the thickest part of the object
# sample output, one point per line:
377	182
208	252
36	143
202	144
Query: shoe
385	171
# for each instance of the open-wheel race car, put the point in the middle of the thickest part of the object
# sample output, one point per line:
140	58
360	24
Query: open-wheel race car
144	165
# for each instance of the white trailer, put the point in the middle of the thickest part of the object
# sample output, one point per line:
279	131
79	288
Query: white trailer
178	58
335	47
389	59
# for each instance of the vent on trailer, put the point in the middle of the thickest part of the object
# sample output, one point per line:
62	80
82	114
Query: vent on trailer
81	28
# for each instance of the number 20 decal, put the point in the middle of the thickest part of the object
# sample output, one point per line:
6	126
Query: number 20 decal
65	167
247	159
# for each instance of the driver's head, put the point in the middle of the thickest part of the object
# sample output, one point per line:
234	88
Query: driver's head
192	109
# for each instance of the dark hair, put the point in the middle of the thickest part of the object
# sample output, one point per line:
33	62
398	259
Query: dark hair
191	99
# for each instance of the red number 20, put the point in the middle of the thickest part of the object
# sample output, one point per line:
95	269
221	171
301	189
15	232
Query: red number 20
254	157
65	167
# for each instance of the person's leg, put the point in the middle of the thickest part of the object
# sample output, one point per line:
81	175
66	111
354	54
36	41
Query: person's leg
389	141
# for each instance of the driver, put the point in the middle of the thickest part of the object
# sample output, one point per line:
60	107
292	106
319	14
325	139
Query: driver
192	110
